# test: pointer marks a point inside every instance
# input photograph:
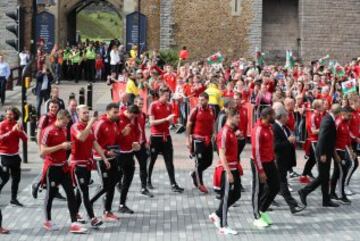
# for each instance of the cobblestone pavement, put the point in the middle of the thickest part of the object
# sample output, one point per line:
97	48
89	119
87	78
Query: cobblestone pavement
170	216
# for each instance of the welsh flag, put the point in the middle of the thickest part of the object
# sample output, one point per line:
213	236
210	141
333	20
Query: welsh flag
217	58
323	59
337	69
290	62
348	86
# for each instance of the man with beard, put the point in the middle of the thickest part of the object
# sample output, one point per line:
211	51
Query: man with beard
106	133
265	174
199	131
83	140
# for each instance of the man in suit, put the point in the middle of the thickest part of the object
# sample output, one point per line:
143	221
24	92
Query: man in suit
324	152
284	147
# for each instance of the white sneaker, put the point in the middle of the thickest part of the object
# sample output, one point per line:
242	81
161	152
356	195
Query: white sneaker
77	228
227	230
348	191
259	223
215	220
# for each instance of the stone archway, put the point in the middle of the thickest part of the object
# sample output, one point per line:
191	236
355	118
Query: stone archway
67	9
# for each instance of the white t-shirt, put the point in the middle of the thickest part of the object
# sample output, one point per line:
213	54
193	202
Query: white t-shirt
24	58
114	57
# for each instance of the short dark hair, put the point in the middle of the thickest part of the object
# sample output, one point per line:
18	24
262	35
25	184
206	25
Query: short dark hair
53	101
63	114
133	109
204	95
232	112
163	90
112	106
15	111
347	109
266	111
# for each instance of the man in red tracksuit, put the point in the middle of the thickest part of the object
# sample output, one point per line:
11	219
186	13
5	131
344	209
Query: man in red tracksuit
355	141
10	134
342	156
266	182
160	140
229	172
83	141
313	130
243	125
106	132
53	147
128	141
46	120
199	131
142	155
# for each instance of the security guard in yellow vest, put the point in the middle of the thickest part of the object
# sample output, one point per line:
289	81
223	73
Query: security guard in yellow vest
66	66
76	63
90	56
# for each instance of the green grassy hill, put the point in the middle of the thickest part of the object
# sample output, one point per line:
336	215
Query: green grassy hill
99	25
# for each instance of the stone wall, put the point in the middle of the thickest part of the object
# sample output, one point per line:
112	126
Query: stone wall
151	8
209	26
330	26
9	53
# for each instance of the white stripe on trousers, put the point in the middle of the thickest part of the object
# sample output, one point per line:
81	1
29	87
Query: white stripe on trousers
225	201
197	163
256	190
351	169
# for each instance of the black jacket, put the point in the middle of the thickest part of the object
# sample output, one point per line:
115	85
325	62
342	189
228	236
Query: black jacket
327	137
284	150
39	81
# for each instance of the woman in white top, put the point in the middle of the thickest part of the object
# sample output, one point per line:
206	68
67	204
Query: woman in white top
114	59
24	57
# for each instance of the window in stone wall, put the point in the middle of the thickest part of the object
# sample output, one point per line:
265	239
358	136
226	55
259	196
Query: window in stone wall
235	7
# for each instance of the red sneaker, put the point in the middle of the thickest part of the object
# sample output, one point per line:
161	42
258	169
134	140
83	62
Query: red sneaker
304	180
110	217
203	189
4	231
50	226
77	228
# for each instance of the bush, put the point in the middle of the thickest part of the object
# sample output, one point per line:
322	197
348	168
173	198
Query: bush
170	56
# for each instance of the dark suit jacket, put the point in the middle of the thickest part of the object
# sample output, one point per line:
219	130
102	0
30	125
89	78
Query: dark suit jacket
327	137
284	150
39	81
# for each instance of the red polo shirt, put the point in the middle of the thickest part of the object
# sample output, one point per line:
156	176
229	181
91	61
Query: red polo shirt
106	133
203	121
262	139
125	142
160	110
9	140
343	139
291	121
227	140
355	124
53	136
243	124
141	121
314	123
81	150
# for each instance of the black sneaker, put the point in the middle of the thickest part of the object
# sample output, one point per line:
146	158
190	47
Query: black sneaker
180	130
193	177
34	190
125	209
150	186
333	196
344	200
16	203
146	192
176	188
294	174
59	196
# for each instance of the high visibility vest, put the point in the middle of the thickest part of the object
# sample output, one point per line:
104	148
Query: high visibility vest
76	58
90	53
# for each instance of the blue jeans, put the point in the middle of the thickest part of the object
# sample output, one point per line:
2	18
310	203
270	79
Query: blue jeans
43	96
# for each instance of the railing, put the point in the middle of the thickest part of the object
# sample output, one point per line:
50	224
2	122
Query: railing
14	76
